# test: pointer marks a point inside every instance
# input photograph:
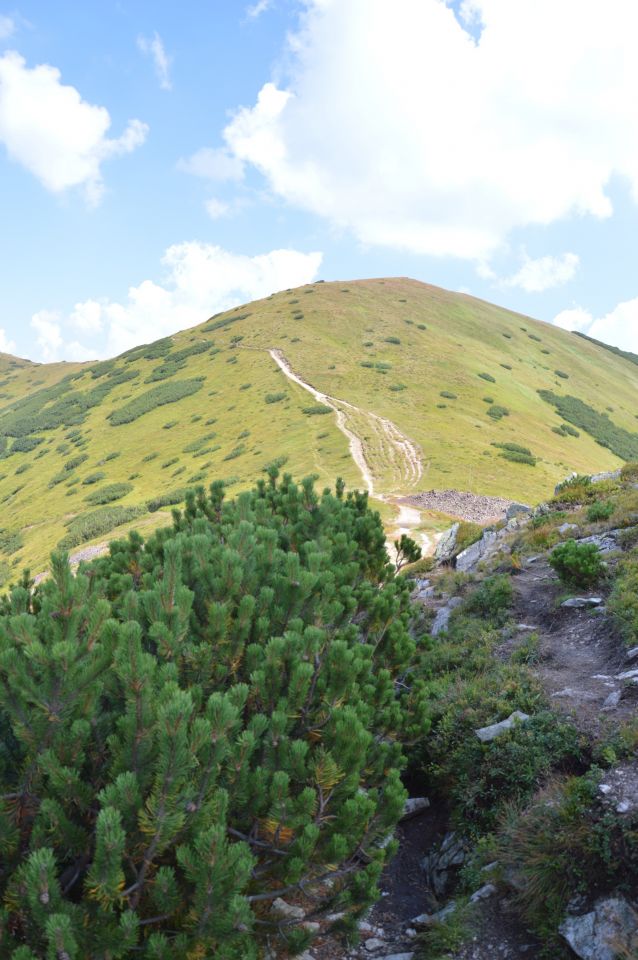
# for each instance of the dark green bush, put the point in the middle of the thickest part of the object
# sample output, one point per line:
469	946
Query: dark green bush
166	500
448	395
151	399
237	706
94	477
492	600
497	412
562	374
317	410
623	602
26	444
112	491
96	523
164	371
600	510
598	425
275	397
577	564
488	377
394	340
10	541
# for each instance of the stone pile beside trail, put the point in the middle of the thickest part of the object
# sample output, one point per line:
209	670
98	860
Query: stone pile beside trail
458	503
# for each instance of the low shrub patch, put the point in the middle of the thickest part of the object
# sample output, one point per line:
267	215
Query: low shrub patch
166	499
151	399
112	491
577	564
96	523
318	409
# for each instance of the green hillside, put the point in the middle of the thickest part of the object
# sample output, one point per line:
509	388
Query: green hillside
421	387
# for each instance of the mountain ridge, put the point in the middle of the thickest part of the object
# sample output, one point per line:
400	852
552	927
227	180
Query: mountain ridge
89	447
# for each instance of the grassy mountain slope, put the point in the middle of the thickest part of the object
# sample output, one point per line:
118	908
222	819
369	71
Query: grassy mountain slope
211	403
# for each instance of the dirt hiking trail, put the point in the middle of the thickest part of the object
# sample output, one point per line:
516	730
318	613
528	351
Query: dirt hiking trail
398	450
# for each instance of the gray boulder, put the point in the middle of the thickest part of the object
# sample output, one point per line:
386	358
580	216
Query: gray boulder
607	931
579	603
517	510
446	545
469	558
414	806
486	734
609	475
442	617
568	527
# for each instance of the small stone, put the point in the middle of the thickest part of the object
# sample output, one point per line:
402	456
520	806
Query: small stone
373	944
627	675
287	910
623	807
567	527
398	956
311	926
604	788
524	626
411	933
414	806
427	919
486	734
581	602
632	654
612	700
484	893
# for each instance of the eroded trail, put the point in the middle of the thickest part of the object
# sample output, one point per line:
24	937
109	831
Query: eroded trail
363	430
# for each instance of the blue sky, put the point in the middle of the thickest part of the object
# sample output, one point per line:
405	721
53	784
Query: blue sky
159	164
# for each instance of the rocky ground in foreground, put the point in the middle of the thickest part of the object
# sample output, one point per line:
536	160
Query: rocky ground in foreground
570	641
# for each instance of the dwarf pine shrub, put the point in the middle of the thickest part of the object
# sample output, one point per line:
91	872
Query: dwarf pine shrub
206	722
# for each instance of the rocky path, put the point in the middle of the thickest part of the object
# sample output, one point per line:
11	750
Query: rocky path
580	661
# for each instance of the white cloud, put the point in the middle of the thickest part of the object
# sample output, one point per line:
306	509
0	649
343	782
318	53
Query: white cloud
619	326
403	126
48	128
51	345
7	27
543	273
256	9
218	164
201	279
216	209
6	345
153	47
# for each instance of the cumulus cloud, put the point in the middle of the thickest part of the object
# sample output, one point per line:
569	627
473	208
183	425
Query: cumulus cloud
154	47
7	27
216	209
48	128
543	273
209	164
256	9
6	345
200	279
50	342
421	128
619	326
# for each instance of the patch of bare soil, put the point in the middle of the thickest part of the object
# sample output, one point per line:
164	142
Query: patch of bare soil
580	657
498	935
461	504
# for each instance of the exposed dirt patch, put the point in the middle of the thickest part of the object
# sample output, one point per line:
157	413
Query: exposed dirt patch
461	504
580	655
498	934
